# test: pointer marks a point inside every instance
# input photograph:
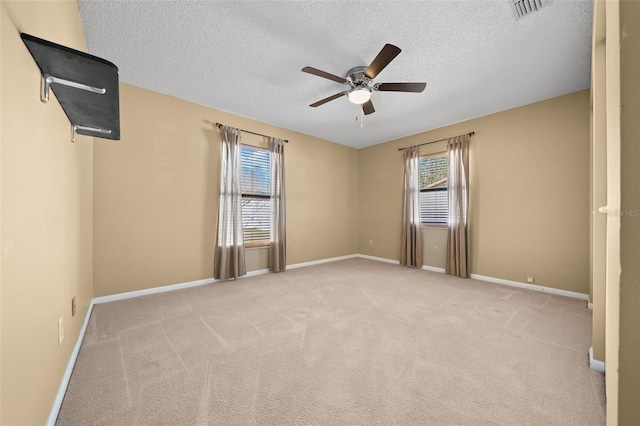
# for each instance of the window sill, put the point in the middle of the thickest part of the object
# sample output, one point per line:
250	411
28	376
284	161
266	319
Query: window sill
434	226
256	247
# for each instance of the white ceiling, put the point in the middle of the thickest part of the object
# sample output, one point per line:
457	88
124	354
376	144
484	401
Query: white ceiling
245	57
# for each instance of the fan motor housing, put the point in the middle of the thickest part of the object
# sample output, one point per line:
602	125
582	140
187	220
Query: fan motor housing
356	77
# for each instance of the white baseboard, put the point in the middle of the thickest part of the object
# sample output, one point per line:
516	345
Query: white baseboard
172	287
318	262
256	272
433	269
164	288
57	402
379	259
528	286
395	262
152	290
594	363
533	287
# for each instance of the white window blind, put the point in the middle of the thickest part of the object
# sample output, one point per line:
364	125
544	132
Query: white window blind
255	165
433	189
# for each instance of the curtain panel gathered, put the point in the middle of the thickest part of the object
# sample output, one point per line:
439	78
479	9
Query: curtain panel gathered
229	254
411	243
278	246
457	219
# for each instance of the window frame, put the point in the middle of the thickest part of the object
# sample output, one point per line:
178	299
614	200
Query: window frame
435	225
262	243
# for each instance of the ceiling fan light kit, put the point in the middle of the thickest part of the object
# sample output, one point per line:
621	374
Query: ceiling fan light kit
359	95
360	81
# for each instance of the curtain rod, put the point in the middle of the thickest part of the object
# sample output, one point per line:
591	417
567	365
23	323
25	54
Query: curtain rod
253	133
439	140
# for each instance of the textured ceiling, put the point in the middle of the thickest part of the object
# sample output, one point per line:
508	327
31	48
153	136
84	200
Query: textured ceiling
245	57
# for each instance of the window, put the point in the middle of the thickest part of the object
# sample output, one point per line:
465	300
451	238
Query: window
433	189
255	170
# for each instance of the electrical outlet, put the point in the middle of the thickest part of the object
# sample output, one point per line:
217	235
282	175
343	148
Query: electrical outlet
73	306
370	242
435	250
529	279
60	331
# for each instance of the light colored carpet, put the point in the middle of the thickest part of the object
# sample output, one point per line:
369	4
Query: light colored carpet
355	342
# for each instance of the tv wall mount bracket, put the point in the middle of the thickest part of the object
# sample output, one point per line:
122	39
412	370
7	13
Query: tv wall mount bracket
86	87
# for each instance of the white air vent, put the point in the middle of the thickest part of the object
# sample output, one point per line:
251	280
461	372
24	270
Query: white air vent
522	8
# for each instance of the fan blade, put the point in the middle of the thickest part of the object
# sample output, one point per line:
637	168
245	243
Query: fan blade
325	100
386	55
368	108
320	73
401	87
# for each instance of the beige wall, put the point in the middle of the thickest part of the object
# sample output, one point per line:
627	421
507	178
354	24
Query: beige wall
46	187
155	194
629	355
529	197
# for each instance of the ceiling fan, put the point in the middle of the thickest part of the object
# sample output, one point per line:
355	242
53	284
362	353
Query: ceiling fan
360	81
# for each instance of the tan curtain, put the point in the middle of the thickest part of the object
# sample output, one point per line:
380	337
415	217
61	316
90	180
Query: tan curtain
411	243
229	255
458	184
278	246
